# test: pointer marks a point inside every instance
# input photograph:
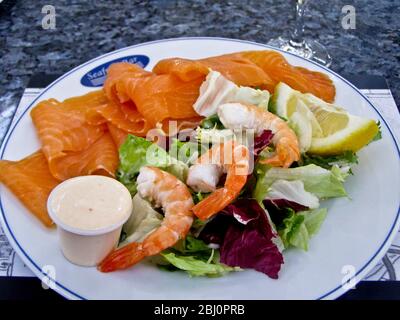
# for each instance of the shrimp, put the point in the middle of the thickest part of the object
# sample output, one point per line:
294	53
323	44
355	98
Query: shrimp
240	116
230	158
174	197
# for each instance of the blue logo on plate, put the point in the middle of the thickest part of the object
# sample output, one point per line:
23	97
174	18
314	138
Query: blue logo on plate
97	76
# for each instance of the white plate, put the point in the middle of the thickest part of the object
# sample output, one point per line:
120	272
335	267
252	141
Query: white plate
354	237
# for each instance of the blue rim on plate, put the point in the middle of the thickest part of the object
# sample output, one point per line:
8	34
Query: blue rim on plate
61	288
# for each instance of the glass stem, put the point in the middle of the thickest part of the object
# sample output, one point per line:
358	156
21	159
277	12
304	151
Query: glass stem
296	38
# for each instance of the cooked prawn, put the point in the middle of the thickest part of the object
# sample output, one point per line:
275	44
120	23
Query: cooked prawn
174	197
230	158
240	116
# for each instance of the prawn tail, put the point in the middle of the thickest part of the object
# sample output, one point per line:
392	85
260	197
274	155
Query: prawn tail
284	157
122	258
214	203
166	236
274	161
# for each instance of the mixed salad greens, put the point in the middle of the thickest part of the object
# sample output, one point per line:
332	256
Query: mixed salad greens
278	209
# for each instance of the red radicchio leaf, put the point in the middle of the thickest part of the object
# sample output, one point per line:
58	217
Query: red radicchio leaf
277	208
282	204
214	231
262	141
246	237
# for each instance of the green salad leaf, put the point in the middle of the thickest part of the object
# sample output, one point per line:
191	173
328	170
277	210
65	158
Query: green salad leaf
186	152
378	135
137	152
192	245
196	267
199	196
345	159
319	181
214	136
132	156
261	189
178	169
254	96
296	229
197	226
212	122
195	257
143	220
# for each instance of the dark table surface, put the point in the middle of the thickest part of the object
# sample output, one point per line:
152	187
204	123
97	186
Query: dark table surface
86	29
22	288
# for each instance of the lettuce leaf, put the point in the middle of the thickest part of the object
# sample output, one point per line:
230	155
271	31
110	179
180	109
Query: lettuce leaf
132	156
197	226
378	135
278	204
212	122
137	152
187	152
196	267
321	182
296	229
199	196
196	258
291	192
343	161
214	136
260	190
178	169
143	220
191	245
253	96
293	231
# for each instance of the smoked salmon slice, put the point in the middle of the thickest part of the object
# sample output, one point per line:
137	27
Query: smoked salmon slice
233	67
127	119
158	97
85	102
166	96
263	69
87	105
174	126
118	135
184	69
129	110
304	80
147	97
71	144
63	129
117	73
31	182
100	158
240	70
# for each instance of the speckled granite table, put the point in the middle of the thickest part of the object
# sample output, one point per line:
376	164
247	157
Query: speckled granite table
86	29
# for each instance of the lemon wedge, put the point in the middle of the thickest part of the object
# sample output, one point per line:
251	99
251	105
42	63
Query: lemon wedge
322	128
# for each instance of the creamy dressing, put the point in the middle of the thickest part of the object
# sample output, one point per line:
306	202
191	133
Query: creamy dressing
90	203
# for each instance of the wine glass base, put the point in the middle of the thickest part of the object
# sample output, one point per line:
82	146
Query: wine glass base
309	49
